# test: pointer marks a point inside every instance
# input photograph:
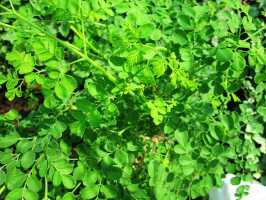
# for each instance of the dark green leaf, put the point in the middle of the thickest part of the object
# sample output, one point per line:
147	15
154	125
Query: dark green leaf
235	180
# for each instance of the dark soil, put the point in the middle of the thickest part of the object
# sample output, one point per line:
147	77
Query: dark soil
21	104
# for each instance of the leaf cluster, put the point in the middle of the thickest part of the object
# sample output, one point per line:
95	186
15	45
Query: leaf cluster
130	99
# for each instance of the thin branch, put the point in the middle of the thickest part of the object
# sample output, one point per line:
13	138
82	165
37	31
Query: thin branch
2	189
45	189
90	45
6	25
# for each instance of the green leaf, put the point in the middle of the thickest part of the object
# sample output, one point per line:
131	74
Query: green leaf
65	87
23	146
179	149
65	147
217	131
28	159
180	37
238	64
262	111
121	157
9	140
69	196
247	23
34	184
68	181
78	128
27	65
90	177
44	48
186	160
30	195
263	180
93	116
69	82
79	172
21	61
137	192
181	137
90	191
11	94
236	180
30	78
254	127
113	173
131	146
157	110
56	179
57	129
61	91
11	115
6	157
15	194
224	54
92	89
15	179
43	167
109	191
152	167
50	101
146	30
156	35
184	21
3	78
188	170
63	167
159	67
2	177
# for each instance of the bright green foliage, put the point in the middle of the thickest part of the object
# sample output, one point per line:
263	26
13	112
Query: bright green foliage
24	63
130	99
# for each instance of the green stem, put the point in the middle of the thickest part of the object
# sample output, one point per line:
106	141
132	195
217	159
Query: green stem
34	145
100	185
255	33
77	61
82	25
5	13
76	188
190	187
2	189
6	25
88	43
26	138
2	167
95	64
11	4
5	8
45	189
30	173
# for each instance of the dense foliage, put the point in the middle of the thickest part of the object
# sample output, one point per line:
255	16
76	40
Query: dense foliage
130	99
